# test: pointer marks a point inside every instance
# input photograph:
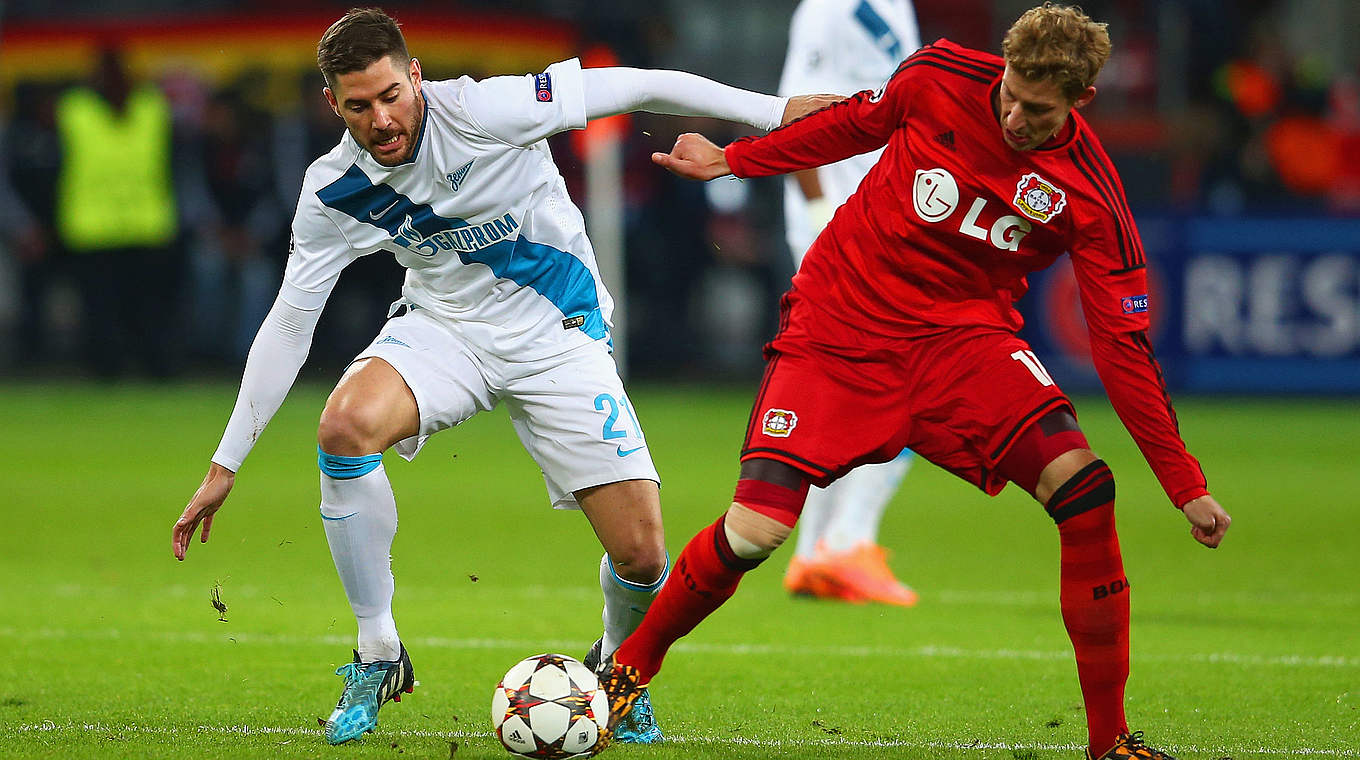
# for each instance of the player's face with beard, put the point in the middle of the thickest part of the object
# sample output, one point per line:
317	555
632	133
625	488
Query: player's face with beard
1032	110
382	107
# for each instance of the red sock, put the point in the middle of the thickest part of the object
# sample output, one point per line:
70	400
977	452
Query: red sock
1095	598
705	575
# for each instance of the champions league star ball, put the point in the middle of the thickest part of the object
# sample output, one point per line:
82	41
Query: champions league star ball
549	707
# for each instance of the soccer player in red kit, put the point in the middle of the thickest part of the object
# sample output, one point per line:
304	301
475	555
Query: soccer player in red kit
900	332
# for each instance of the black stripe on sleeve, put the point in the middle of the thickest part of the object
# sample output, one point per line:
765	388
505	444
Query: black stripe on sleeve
1103	178
961	61
1144	345
915	61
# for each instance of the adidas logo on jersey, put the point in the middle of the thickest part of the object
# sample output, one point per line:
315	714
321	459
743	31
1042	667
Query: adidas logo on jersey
946	139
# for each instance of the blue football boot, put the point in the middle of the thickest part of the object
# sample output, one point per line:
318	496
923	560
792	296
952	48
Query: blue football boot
638	726
368	686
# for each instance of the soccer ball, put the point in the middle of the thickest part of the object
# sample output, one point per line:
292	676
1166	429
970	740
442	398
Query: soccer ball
550	707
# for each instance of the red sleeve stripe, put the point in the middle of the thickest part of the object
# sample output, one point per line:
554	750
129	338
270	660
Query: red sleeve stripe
1101	177
1144	347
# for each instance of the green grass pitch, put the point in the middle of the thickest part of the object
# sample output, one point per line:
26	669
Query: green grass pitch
112	649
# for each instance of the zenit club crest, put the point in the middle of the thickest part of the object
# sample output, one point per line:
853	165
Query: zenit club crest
1037	198
778	423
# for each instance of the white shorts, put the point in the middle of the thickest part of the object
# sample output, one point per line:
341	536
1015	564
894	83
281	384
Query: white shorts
570	411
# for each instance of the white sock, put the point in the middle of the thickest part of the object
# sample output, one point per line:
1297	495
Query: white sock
360	517
817	510
625	602
860	499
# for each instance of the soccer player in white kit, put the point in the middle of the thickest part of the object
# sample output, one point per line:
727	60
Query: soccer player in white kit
502	302
843	46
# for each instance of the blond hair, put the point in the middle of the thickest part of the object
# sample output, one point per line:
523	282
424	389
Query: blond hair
1059	43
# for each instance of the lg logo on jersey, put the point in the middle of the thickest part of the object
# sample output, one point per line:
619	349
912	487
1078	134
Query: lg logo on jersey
935	196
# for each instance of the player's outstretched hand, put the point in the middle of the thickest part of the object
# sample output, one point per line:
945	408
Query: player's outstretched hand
694	157
1208	521
207	500
802	105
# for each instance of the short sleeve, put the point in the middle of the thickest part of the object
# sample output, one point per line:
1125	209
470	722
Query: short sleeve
521	110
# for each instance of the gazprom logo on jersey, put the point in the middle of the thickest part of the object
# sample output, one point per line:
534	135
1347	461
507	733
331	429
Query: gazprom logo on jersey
1134	304
543	87
467	239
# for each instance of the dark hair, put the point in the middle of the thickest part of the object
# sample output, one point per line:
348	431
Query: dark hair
360	37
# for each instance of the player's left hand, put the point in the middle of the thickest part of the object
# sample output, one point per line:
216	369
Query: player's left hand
694	157
802	105
1208	521
207	500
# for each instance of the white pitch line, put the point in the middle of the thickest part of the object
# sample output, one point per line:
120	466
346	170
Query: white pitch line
928	651
48	726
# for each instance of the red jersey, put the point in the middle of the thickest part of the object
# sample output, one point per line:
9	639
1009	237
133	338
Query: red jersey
944	229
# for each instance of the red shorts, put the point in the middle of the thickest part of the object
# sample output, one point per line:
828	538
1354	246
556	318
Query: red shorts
835	397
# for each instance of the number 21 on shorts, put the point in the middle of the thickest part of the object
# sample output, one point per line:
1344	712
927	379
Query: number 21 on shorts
609	431
1031	362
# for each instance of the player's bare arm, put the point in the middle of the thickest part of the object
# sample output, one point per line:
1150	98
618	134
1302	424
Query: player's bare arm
694	157
1208	520
802	105
205	503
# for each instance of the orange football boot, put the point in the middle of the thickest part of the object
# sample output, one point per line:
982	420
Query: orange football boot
862	573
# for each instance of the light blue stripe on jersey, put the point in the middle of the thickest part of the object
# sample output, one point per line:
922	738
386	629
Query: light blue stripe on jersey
556	275
346	468
878	29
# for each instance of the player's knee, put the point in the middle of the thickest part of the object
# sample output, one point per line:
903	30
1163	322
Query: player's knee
641	562
345	430
1088	486
1059	472
753	535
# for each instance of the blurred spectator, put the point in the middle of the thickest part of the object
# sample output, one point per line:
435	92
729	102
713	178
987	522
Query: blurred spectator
116	213
30	178
243	237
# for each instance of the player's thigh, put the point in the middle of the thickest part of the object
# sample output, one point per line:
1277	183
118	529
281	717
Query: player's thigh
370	409
824	414
442	373
977	392
575	419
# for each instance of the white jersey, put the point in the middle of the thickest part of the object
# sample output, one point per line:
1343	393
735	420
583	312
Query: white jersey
841	47
479	216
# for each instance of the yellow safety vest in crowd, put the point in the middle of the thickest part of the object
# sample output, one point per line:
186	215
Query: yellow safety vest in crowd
115	188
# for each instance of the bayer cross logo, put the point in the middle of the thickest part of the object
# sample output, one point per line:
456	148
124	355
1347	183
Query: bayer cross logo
779	423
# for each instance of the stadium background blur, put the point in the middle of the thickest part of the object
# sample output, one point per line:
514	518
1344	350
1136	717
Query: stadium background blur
1228	121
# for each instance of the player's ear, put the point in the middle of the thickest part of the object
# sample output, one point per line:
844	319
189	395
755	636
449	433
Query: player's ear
330	98
414	73
1085	97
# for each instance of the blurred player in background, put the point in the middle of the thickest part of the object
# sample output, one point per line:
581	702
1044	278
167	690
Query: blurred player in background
502	303
843	46
900	331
